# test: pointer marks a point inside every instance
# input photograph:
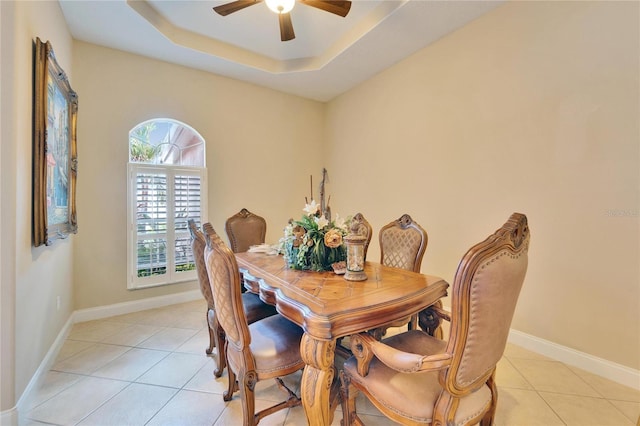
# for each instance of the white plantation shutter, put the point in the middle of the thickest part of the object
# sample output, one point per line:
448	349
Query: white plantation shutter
186	206
165	198
151	223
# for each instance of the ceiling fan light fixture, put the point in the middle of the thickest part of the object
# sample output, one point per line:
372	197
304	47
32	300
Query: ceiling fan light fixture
280	6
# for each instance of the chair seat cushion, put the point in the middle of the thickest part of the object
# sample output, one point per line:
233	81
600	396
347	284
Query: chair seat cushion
413	395
275	345
255	309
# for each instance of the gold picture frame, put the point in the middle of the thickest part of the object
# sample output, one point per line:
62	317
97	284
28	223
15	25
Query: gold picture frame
55	161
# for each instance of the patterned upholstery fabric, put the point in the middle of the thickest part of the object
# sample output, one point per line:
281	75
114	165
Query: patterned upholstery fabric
400	247
197	246
402	244
233	323
268	348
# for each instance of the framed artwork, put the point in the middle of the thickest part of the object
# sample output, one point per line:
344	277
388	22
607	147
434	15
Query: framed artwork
55	111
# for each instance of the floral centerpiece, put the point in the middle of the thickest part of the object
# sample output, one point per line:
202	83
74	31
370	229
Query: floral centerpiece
315	242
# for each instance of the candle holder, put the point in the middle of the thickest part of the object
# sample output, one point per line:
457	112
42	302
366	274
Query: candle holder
355	257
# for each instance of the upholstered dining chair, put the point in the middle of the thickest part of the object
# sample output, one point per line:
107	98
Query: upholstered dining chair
402	245
245	229
255	309
197	248
269	348
364	229
414	378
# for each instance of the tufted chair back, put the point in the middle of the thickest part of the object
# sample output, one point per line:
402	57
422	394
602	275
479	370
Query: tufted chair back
198	245
402	244
268	348
483	299
227	294
244	230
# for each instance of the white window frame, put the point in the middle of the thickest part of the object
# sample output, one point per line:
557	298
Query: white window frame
171	276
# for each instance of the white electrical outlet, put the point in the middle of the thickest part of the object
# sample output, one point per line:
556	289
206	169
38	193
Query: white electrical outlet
58	302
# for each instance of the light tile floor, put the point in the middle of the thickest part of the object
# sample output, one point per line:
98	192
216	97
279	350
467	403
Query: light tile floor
149	368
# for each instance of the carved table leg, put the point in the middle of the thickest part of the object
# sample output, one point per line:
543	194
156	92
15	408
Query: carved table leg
317	379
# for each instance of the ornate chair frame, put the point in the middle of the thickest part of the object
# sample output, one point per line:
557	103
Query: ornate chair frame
245	229
255	309
268	348
407	226
402	257
216	335
457	378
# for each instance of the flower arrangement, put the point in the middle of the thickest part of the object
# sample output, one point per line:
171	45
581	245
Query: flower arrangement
315	242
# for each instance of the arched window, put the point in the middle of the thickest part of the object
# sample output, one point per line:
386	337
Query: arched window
167	186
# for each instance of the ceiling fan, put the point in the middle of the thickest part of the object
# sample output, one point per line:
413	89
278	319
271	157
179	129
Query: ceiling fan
283	7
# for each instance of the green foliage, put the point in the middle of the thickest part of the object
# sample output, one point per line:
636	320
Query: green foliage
140	148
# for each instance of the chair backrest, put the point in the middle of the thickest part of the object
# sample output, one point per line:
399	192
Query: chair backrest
483	299
364	229
244	230
402	244
197	248
225	278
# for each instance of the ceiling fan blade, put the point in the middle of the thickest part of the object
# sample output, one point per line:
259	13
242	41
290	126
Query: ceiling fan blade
286	27
336	7
234	6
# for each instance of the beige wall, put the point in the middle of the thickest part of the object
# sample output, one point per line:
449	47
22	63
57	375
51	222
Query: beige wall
531	108
261	147
37	275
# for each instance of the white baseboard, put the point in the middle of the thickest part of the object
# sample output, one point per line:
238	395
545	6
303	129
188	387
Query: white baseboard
100	312
25	399
9	417
616	372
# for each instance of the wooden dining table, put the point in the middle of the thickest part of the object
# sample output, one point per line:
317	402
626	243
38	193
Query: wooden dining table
328	307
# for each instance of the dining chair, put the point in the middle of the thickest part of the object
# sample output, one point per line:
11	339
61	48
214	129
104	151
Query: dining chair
402	245
255	309
414	378
245	229
265	349
364	229
197	248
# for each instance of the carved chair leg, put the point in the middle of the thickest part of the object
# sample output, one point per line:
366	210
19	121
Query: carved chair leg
212	338
221	357
232	386
247	382
348	395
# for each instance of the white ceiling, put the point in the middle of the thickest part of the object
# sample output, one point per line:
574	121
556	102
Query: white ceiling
329	55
